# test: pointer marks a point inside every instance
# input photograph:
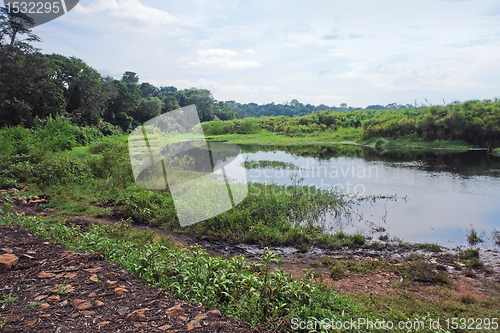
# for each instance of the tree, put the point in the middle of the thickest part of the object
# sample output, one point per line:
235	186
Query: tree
148	90
148	108
12	25
130	77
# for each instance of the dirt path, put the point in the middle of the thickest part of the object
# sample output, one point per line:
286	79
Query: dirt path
53	289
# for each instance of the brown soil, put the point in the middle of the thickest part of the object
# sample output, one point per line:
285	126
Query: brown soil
58	290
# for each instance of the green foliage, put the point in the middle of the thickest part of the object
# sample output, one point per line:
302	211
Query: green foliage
473	238
251	291
472	122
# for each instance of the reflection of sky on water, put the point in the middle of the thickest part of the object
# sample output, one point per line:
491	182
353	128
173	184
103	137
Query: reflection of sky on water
441	206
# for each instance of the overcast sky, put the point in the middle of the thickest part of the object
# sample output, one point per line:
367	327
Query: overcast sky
330	52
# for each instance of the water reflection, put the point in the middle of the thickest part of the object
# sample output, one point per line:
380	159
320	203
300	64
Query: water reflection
446	193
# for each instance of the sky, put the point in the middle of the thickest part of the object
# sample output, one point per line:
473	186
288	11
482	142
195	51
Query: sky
318	52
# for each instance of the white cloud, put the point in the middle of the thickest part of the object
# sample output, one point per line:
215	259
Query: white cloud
222	58
133	10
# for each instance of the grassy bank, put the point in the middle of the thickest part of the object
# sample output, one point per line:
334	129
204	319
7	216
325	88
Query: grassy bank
353	136
261	291
97	180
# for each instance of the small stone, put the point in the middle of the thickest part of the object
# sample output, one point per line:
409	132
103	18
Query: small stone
7	261
32	322
54	298
42	307
93	270
45	275
98	303
165	327
192	326
200	316
215	312
120	291
123	310
175	310
81	304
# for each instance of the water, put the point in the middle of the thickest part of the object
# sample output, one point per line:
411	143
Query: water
436	196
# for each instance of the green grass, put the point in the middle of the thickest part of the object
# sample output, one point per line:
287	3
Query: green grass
251	291
340	136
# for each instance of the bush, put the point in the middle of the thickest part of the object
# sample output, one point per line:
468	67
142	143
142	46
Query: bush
57	134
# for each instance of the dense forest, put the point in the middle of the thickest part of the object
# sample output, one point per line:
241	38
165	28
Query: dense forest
36	86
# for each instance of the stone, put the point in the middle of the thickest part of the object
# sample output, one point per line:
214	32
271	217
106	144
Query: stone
120	291
45	275
81	304
98	303
215	312
7	261
123	310
200	316
174	310
164	327
192	326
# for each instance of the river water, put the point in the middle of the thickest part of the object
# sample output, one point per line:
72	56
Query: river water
430	196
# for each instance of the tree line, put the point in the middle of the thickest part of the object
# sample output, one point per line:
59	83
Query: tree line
35	86
476	122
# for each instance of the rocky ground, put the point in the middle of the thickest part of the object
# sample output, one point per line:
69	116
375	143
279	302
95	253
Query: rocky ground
48	288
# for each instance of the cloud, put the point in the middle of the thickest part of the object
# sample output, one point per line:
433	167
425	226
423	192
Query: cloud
133	10
222	58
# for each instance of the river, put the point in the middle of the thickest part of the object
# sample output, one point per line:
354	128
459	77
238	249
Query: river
431	195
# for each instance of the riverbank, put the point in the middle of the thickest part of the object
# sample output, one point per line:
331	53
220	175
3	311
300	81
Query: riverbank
391	284
267	138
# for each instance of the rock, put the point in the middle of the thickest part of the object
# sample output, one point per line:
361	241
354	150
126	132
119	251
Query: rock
174	310
164	327
215	312
44	275
192	326
7	261
123	310
54	298
81	304
138	314
98	303
120	291
32	322
42	307
200	316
